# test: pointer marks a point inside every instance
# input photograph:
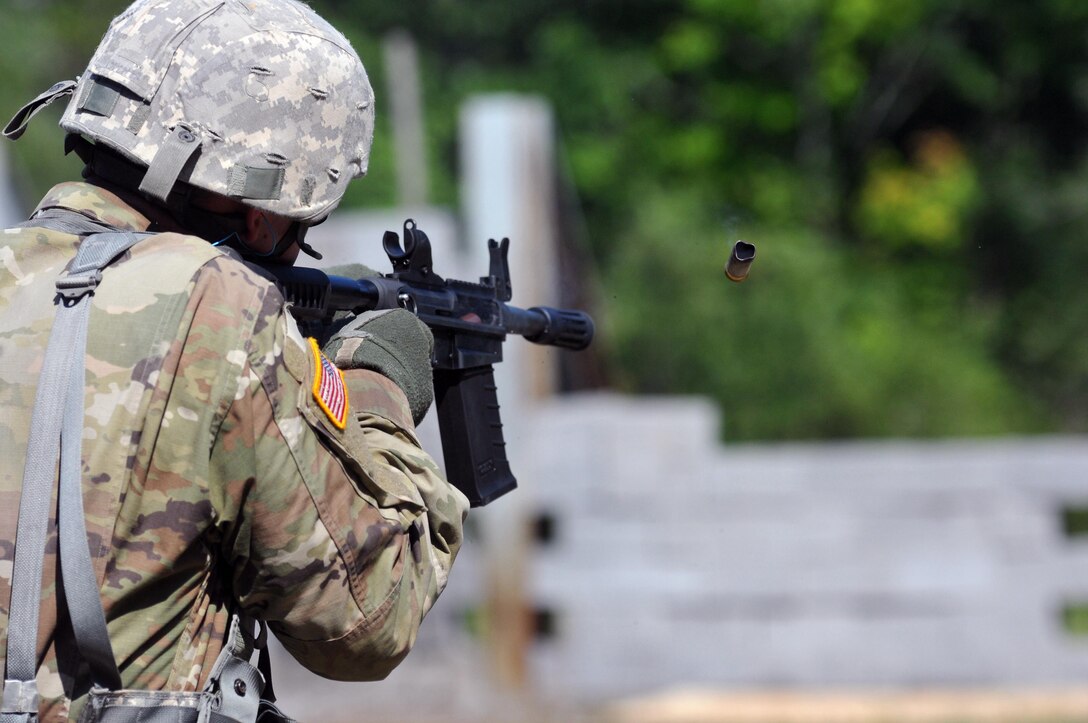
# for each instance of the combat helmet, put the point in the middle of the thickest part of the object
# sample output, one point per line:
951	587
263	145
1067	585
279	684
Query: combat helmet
261	101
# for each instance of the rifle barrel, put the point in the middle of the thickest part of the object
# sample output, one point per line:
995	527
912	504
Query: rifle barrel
565	328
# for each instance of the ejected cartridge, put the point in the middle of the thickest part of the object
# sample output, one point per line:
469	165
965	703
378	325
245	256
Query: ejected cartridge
740	261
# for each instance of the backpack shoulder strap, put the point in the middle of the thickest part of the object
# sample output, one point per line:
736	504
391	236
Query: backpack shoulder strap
56	430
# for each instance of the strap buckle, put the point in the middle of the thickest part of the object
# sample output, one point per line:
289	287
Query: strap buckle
75	286
20	696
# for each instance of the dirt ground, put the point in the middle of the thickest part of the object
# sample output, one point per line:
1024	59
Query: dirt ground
961	706
700	706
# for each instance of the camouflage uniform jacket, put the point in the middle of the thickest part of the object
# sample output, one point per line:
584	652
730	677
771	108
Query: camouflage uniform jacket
213	479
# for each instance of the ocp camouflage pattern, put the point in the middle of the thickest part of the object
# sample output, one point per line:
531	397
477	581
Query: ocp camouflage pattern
211	477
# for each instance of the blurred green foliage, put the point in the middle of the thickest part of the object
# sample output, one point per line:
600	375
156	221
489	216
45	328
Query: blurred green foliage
41	43
1075	619
913	172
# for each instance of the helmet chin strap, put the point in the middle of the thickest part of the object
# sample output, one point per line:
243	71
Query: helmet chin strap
236	231
304	246
280	245
295	234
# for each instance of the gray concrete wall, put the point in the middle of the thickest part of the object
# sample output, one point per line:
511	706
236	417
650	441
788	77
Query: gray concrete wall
679	561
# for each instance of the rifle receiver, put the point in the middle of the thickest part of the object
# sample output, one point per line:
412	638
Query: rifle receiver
469	321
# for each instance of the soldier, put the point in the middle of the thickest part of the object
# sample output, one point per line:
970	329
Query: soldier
228	470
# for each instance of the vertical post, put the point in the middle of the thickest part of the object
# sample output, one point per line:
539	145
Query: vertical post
406	108
508	189
10	212
507	166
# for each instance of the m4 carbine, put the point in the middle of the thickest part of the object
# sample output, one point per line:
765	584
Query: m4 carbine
469	321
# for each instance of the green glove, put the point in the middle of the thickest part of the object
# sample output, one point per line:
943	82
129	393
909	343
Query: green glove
394	343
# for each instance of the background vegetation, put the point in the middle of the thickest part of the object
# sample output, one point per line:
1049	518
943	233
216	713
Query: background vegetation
913	172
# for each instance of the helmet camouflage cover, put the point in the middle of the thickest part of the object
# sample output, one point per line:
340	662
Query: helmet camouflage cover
257	100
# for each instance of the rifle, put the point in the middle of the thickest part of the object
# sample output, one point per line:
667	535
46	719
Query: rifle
469	321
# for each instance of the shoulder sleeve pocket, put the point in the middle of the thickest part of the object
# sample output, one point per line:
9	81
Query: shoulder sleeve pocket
326	404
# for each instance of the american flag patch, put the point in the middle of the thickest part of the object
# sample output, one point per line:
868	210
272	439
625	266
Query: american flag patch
330	392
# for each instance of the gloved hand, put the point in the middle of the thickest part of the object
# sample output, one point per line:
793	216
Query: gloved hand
394	343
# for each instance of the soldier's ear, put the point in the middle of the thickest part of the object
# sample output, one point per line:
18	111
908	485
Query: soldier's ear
267	235
256	228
